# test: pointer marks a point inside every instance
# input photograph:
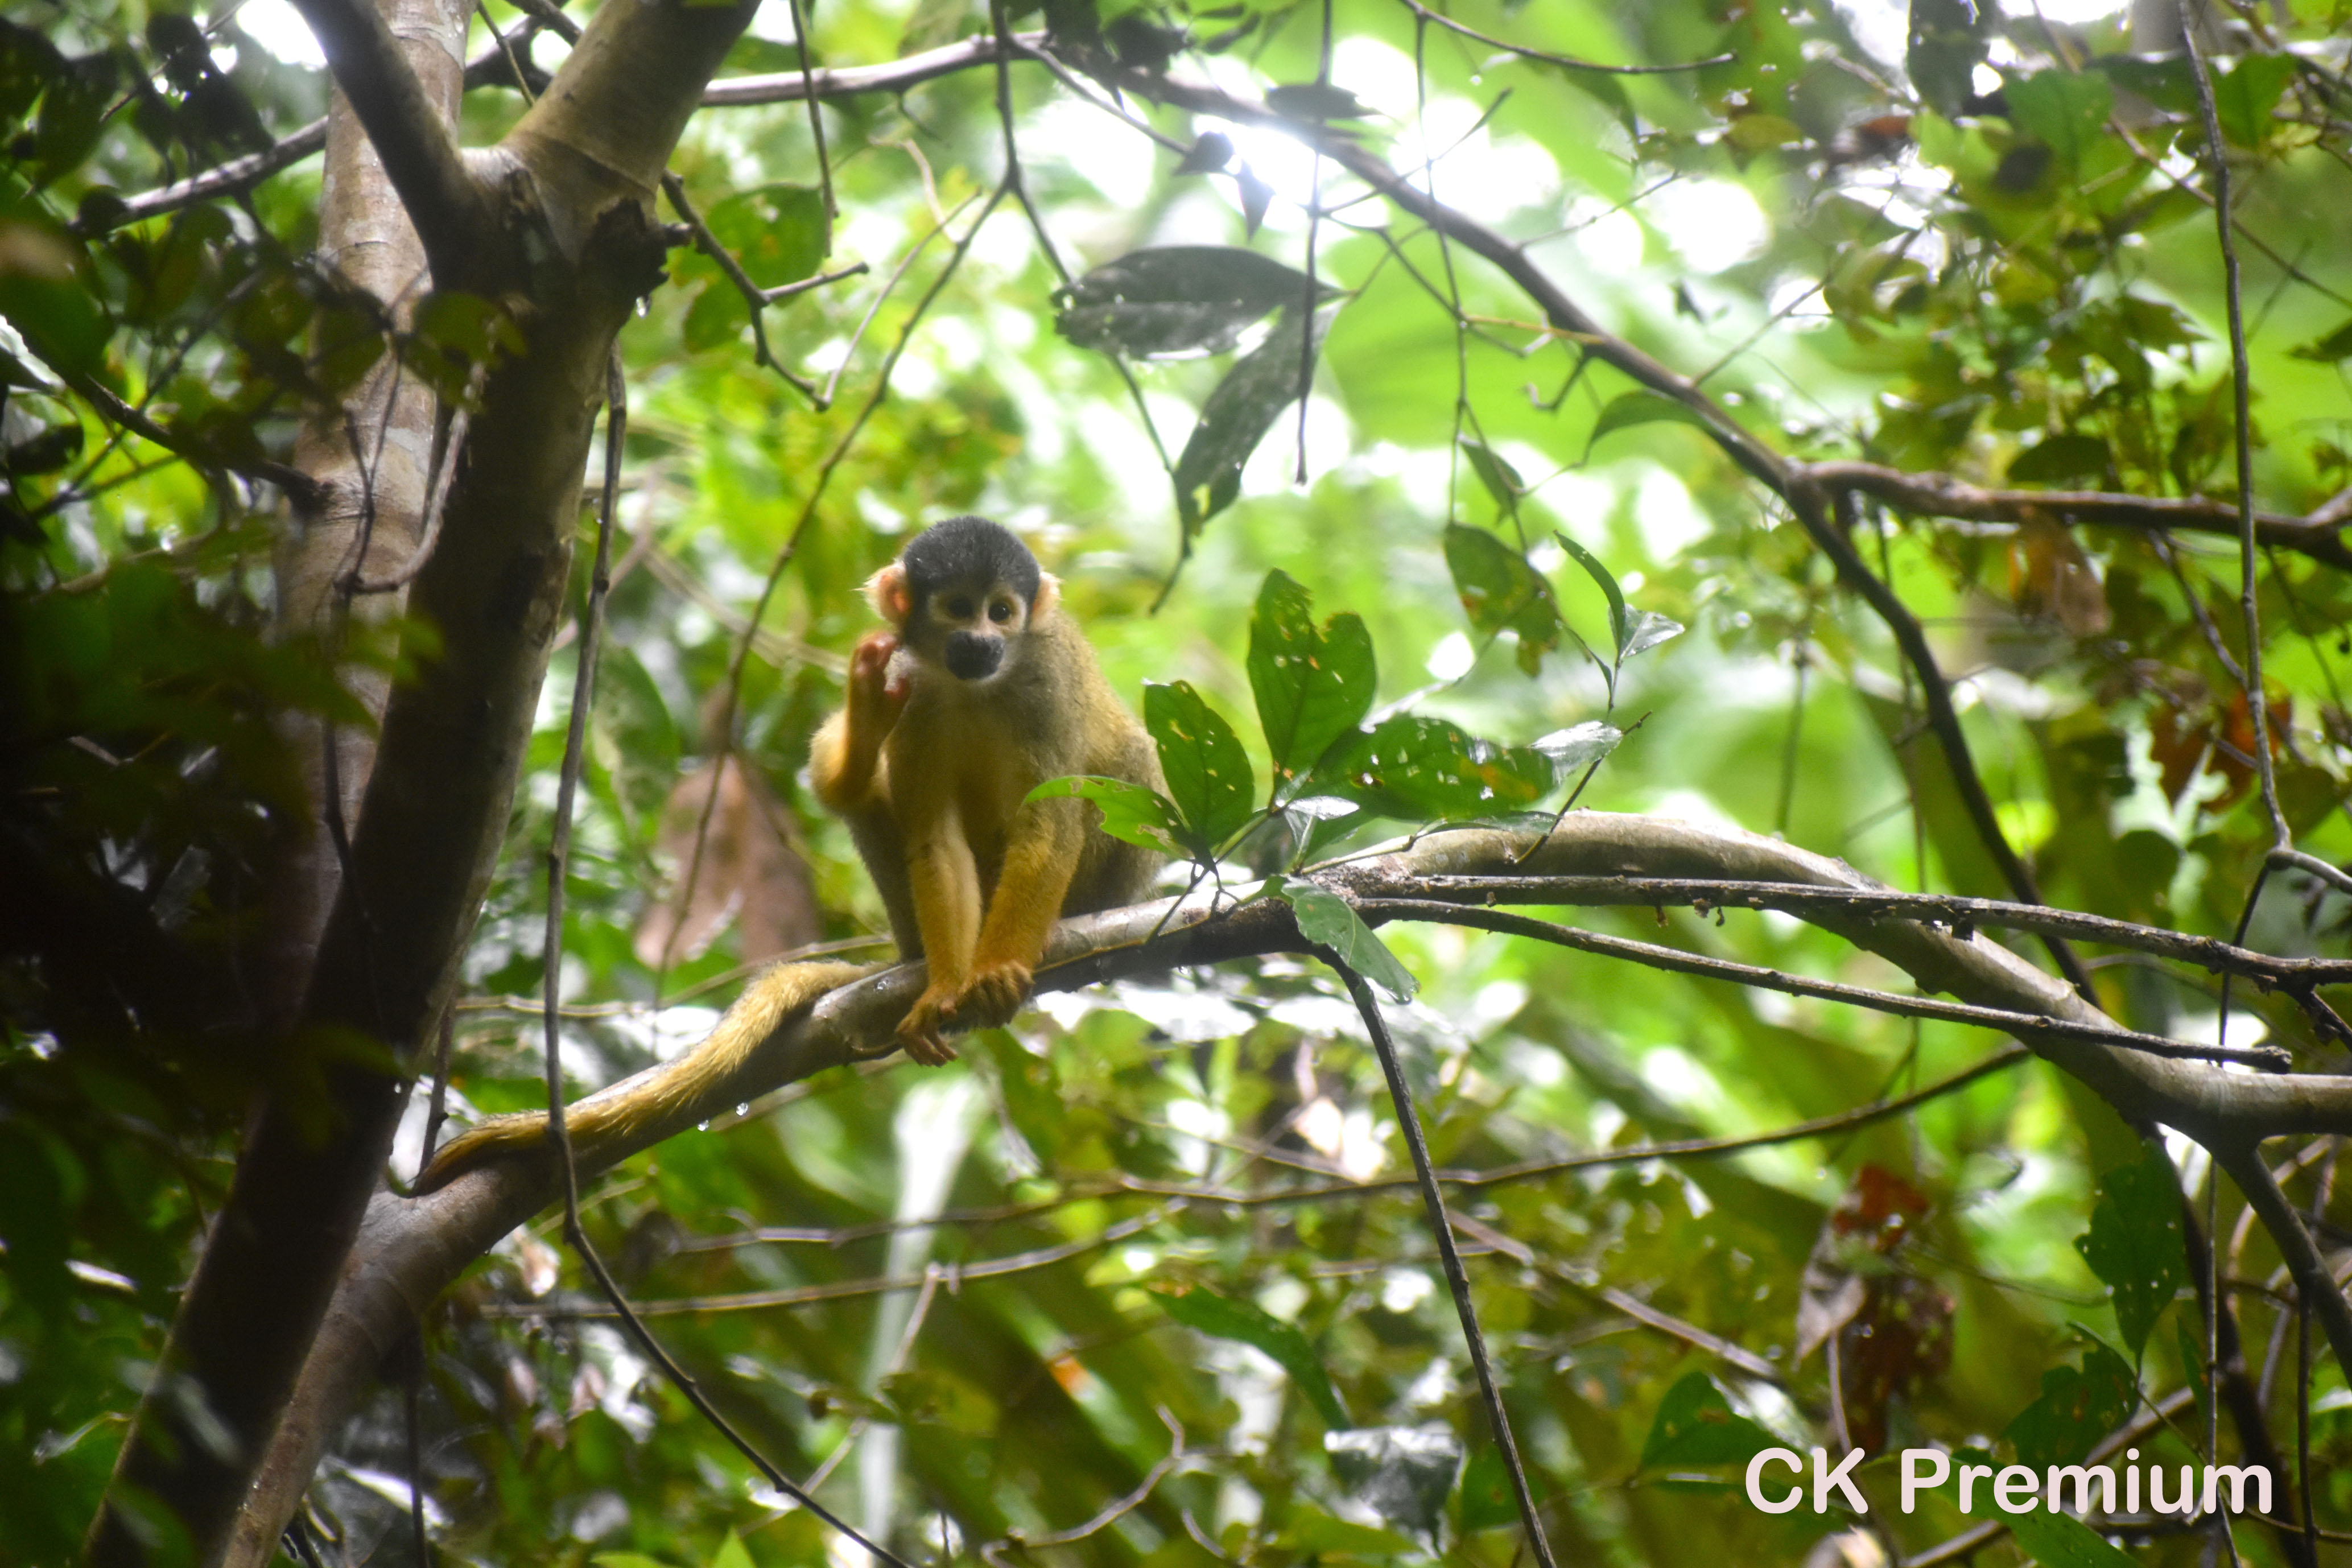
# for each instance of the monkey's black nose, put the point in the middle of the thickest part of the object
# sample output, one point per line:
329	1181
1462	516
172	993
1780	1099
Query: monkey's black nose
974	656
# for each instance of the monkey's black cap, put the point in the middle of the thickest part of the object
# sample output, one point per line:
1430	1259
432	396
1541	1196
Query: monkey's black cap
971	550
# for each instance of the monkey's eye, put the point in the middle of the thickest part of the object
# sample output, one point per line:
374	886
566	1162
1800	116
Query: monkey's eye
960	607
1000	610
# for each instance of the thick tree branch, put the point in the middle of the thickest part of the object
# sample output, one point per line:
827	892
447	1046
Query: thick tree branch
418	149
2319	536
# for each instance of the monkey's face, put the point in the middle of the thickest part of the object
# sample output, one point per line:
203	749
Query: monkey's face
963	594
968	627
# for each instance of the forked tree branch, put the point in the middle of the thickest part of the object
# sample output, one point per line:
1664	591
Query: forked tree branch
408	133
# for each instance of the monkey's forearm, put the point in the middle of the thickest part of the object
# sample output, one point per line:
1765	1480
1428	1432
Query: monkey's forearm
1031	886
842	762
649	1107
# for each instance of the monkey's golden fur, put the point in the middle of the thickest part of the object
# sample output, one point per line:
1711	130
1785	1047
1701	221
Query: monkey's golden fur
931	773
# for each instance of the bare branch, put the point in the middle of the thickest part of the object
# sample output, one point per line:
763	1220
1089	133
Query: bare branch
848	81
1432	1198
223	179
1948	908
1566	62
2025	1024
2318	536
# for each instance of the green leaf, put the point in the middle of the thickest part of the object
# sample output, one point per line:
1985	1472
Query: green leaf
1328	1539
1402	1473
1238	414
2192	1358
1319	821
1500	592
1501	479
1697	1426
1314	100
1130	812
2336	346
1647	631
778	232
2078	1406
2062	1541
1488	1499
1329	920
1312	686
1621	627
2068	109
1628	409
1578	746
1210	779
1225	1318
2243	99
2134	1243
2163	79
1178	301
731	1553
42	298
1418	769
2064	456
1256	196
1947	42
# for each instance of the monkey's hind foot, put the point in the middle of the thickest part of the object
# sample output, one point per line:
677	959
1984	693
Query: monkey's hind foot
995	994
922	1033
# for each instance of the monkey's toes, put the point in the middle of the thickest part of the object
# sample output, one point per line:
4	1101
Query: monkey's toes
919	1033
996	993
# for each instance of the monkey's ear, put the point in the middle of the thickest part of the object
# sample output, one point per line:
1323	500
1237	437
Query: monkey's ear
1048	596
886	591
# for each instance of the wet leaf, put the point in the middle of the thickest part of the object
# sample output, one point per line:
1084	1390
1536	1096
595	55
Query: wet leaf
1177	301
1237	416
1313	685
1210	780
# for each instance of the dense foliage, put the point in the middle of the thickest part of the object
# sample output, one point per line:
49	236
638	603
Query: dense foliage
1145	1277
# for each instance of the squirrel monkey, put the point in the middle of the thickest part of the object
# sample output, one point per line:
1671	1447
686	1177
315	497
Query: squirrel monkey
982	689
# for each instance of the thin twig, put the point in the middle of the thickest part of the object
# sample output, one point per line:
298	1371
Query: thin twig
786	290
1434	1199
2242	409
1944	909
851	1289
755	296
1111	1513
2025	1024
800	9
1013	174
1422	13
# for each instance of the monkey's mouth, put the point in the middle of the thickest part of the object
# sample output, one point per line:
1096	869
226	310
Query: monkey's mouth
971	656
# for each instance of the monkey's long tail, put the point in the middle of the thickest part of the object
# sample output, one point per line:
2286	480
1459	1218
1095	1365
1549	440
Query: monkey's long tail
636	1109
